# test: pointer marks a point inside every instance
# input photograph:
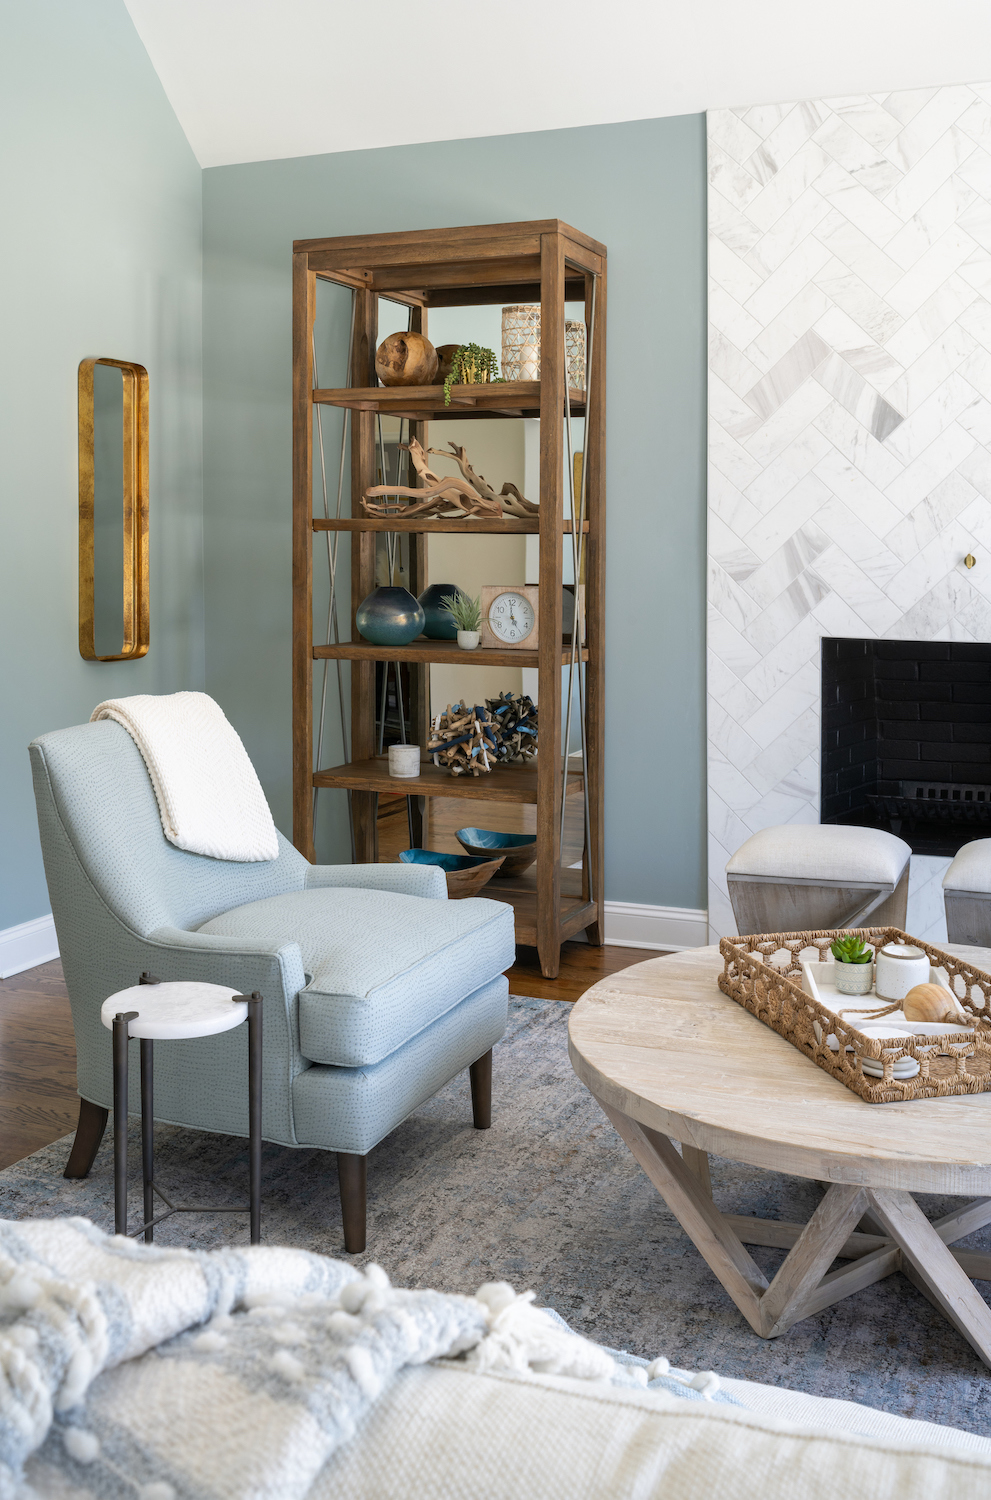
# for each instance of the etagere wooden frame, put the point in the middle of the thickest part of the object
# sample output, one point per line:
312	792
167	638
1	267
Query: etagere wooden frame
545	261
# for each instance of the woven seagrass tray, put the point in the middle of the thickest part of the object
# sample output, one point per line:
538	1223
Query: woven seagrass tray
763	973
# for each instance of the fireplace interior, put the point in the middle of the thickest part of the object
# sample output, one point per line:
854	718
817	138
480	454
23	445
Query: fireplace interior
906	739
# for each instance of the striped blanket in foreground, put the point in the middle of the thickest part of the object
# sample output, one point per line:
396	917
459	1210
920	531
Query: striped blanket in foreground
233	1371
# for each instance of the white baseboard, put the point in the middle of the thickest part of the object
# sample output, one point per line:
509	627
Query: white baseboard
27	945
631	925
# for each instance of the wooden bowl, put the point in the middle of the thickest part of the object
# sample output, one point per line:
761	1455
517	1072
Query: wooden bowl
465	874
519	850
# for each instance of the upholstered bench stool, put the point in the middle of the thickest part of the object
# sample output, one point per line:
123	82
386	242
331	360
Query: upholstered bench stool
967	895
813	876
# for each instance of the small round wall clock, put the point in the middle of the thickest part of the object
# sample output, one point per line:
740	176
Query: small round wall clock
509	615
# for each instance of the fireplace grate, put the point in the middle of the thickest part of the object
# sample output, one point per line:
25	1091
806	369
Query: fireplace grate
934	802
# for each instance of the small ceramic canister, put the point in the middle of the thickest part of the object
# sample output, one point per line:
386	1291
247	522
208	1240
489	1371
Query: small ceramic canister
899	969
404	760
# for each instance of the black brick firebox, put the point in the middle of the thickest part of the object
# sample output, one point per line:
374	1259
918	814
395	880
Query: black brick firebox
906	739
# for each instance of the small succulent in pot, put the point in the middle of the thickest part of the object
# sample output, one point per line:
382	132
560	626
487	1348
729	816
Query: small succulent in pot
851	950
466	613
854	965
471	364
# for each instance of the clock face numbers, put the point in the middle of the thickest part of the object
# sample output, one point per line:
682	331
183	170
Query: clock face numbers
511	618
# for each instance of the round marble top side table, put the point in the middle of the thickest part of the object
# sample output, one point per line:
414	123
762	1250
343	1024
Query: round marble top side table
670	1058
155	1011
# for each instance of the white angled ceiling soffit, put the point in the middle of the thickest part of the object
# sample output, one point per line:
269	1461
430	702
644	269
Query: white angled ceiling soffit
255	80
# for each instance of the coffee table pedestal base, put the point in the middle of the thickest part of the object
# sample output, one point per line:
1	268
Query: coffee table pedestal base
900	1238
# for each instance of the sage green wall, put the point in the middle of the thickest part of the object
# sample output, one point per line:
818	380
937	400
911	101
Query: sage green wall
639	187
99	255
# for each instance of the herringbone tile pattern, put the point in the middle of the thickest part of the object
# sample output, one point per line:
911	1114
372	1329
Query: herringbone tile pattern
850	417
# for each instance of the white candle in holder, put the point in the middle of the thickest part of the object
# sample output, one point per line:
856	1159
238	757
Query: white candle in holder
899	969
404	760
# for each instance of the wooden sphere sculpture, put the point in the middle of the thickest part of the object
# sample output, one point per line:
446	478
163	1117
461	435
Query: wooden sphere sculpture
445	355
406	359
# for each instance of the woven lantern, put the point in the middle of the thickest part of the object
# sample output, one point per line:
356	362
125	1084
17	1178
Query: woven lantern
521	345
521	342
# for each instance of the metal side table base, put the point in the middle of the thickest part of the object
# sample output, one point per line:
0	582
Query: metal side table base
159	1018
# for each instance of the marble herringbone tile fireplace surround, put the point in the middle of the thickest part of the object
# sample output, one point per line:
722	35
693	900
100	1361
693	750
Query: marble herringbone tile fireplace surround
850	425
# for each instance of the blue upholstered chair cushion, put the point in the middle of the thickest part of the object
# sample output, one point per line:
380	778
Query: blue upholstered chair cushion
381	966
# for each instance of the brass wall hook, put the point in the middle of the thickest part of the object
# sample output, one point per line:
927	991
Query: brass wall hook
970	560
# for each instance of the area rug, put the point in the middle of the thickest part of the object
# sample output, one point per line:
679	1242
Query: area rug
550	1198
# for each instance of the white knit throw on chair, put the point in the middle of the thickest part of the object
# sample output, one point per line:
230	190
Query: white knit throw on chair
209	796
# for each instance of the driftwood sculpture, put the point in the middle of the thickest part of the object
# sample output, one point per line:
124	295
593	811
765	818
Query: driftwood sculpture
514	718
467	494
509	496
463	740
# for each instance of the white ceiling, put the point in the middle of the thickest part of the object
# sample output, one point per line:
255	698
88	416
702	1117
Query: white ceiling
251	80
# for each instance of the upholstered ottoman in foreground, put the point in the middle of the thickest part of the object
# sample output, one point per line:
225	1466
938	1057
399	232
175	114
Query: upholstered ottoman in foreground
799	877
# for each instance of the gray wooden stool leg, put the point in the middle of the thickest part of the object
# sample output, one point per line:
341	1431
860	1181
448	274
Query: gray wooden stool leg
120	1028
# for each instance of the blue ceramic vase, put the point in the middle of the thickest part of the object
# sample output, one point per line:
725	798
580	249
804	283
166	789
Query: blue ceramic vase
440	626
389	617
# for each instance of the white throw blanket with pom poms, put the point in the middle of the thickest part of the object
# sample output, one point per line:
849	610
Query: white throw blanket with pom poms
129	1370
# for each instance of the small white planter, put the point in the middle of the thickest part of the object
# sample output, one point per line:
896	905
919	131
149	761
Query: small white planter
468	639
854	979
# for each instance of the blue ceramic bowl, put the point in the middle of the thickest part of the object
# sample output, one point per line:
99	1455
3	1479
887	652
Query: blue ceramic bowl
465	873
439	624
520	849
389	617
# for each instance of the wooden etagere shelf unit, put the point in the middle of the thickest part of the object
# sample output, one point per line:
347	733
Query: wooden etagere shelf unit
547	262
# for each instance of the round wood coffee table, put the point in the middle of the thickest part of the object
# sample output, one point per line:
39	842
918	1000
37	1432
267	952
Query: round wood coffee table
669	1057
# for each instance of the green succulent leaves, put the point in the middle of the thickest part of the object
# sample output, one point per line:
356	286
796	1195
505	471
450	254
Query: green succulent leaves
851	950
471	365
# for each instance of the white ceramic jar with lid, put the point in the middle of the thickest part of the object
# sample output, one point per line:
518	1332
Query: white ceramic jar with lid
899	967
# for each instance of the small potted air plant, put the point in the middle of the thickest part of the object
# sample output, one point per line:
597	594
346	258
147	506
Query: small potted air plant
466	613
854	965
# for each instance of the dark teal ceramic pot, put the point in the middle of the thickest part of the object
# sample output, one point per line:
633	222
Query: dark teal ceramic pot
439	625
389	617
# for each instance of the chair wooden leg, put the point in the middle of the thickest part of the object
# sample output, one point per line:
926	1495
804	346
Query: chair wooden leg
480	1073
89	1133
352	1171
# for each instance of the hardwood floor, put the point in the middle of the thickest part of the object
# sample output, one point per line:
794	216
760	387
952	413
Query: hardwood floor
38	1100
581	967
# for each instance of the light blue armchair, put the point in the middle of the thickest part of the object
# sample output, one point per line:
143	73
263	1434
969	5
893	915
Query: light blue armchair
378	990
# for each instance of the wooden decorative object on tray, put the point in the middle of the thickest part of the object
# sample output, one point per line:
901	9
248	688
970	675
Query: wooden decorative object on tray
514	717
463	740
446	494
772	991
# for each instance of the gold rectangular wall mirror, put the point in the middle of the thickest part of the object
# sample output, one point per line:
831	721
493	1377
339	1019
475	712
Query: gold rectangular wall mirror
113	510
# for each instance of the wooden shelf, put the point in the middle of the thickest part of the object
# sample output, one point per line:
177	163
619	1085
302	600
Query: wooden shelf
447	652
508	526
543	262
425	403
501	784
576	914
